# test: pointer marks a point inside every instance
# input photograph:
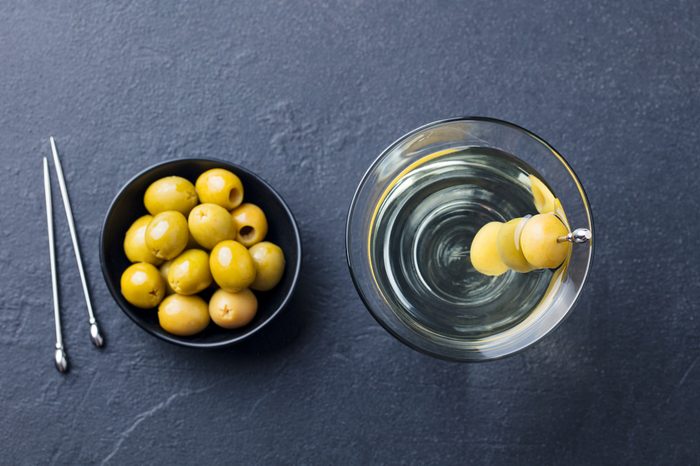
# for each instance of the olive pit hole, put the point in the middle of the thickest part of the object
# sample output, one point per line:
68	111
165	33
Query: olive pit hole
247	232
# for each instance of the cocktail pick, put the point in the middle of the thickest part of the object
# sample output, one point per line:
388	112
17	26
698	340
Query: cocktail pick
60	357
579	235
95	335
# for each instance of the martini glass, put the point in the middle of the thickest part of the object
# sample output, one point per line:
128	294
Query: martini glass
410	227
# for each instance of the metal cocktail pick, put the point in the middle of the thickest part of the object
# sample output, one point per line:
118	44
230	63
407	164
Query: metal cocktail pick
579	235
60	356
94	330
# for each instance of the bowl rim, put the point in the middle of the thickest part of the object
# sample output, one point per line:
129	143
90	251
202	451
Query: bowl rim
174	339
381	156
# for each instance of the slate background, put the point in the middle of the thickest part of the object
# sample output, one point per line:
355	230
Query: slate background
307	94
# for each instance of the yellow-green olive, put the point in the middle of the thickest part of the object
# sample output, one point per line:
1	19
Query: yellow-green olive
219	186
539	241
164	273
508	245
232	310
269	265
135	242
142	285
483	252
183	315
210	224
170	193
231	266
189	272
251	224
166	235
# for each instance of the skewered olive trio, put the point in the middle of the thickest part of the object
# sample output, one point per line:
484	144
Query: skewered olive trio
194	237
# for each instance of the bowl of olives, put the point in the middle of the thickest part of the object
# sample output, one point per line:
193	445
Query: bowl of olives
200	252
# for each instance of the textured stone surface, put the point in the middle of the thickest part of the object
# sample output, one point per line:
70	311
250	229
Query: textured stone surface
307	94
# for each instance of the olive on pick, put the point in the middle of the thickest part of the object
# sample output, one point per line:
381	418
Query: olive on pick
539	241
484	254
508	245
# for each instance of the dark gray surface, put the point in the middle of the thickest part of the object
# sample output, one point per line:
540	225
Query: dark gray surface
307	94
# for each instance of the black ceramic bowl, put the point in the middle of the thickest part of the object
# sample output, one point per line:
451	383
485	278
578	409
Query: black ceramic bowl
127	206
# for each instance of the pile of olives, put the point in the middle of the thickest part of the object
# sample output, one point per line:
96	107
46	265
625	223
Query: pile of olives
196	236
526	243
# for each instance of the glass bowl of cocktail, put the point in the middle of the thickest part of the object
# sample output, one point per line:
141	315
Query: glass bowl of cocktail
469	239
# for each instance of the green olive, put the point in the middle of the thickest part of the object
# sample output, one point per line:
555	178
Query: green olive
483	252
269	265
232	310
231	266
508	245
539	241
170	193
251	224
219	186
164	269
166	235
189	272
211	224
135	242
142	285
183	315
